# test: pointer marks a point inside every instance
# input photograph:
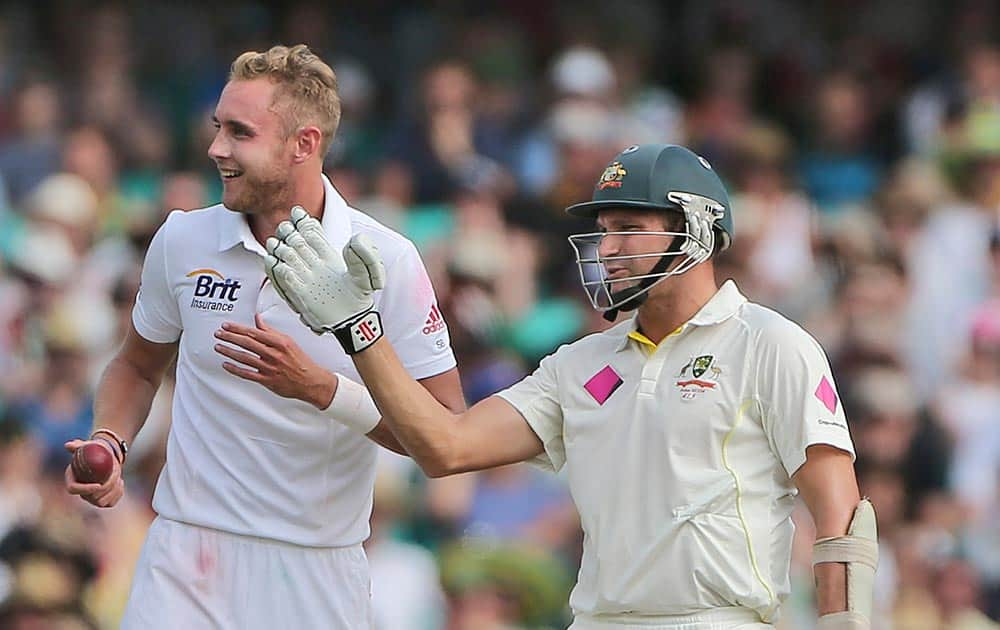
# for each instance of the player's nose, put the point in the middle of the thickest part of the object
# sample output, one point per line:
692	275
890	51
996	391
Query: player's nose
219	149
609	245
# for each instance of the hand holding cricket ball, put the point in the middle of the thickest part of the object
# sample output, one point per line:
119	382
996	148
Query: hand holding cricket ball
94	473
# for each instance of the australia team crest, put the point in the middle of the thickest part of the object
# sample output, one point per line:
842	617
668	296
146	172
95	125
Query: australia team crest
612	176
699	375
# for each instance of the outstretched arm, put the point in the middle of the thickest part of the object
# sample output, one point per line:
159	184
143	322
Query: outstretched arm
334	294
446	388
423	419
491	433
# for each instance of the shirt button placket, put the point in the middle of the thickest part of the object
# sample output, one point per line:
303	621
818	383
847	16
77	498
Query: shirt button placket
650	374
651	370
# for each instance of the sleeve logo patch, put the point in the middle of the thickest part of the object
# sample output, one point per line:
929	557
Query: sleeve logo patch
826	395
434	322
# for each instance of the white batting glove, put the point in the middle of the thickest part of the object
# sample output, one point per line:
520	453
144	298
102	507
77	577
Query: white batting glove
331	291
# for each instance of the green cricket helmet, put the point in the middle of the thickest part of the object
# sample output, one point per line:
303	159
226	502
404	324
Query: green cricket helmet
653	177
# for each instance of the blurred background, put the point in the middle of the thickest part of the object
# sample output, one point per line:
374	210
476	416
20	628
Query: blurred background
860	140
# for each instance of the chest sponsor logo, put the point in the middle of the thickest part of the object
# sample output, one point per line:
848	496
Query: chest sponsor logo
214	292
699	374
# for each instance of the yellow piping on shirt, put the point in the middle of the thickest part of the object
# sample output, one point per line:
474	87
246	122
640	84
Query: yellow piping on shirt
739	501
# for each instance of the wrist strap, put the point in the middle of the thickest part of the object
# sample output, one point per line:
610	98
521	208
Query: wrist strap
353	406
122	446
360	332
846	620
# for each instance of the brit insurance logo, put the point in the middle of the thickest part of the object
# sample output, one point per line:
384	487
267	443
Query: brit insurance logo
214	292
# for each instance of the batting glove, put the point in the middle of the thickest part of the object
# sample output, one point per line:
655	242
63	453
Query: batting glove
330	290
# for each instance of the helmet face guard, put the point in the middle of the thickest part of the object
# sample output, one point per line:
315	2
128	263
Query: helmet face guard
687	249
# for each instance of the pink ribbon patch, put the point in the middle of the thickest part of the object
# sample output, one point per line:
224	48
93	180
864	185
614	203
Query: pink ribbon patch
603	384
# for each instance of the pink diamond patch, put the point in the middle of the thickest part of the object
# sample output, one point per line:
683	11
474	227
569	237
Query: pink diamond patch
826	395
603	384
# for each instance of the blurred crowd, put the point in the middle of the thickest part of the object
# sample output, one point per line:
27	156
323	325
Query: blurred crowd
860	140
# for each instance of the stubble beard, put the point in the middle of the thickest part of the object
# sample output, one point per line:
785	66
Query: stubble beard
262	194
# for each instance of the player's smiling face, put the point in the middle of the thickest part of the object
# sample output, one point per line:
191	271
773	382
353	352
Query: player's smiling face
251	148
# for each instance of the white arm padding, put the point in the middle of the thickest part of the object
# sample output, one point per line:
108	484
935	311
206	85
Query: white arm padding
859	550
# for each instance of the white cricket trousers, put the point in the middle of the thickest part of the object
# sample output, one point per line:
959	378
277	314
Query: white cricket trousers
195	578
715	619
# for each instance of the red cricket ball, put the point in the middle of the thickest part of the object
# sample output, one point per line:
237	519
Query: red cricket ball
93	463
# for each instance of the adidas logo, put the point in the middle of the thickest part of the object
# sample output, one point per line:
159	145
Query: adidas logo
435	322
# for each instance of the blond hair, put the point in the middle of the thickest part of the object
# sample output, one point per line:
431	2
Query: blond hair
304	81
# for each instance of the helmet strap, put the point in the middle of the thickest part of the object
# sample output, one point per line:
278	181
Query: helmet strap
634	296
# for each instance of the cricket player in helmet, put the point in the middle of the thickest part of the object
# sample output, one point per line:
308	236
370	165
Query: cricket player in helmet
686	430
667	178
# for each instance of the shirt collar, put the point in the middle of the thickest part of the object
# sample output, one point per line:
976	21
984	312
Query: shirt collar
234	229
723	305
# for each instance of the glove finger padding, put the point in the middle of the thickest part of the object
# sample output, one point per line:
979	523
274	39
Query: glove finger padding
286	254
301	218
291	237
284	229
312	231
286	283
364	262
270	262
314	279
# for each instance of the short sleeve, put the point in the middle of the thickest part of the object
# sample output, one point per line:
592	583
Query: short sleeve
537	399
156	315
801	406
411	317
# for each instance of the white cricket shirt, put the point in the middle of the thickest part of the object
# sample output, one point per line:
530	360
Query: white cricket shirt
679	456
239	457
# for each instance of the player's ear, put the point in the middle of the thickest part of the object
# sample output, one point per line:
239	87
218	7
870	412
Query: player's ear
308	141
